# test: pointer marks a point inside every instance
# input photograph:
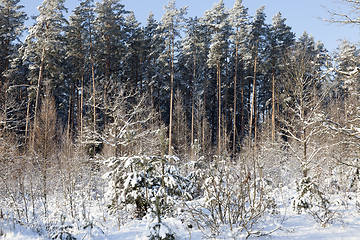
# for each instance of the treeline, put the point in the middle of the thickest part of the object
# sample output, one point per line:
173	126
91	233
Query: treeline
218	76
226	85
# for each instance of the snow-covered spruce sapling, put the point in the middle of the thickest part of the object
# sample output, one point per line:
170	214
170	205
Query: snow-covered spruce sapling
313	201
160	230
62	230
129	183
93	229
62	233
139	180
309	194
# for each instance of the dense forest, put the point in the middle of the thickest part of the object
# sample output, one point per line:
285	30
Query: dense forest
100	109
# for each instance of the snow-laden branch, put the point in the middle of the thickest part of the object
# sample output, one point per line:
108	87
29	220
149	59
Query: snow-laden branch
352	73
351	132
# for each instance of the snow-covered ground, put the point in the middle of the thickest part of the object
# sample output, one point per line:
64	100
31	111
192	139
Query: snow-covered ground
273	217
296	227
290	225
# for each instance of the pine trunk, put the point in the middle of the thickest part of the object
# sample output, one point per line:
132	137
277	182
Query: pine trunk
37	100
253	102
234	111
241	133
92	75
204	113
219	107
82	100
171	91
193	103
273	103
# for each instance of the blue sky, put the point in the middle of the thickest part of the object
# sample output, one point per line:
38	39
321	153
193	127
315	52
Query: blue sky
301	15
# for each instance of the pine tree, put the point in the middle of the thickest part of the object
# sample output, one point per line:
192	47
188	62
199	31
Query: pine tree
110	45
218	23
347	64
239	21
171	26
110	26
281	38
86	13
257	40
77	53
43	47
75	60
12	26
193	68
134	57
153	48
208	96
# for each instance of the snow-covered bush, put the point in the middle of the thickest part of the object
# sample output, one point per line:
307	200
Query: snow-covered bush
234	201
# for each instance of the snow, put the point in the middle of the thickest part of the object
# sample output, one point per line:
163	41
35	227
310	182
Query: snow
19	233
292	226
302	227
338	218
296	227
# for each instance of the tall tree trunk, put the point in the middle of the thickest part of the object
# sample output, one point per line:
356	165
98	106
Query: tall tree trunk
71	109
37	100
5	79
235	98
27	138
139	75
82	100
193	103
204	113
78	103
273	103
225	120
171	90
150	85
92	75
6	82
253	101
107	75
241	133
219	106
